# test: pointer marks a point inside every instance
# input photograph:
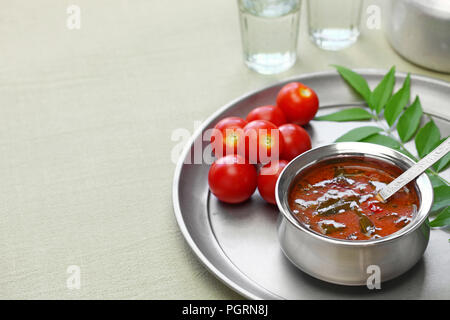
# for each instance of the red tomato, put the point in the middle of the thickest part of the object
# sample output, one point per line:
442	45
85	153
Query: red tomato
259	124
231	179
262	142
298	102
267	179
230	130
269	113
295	141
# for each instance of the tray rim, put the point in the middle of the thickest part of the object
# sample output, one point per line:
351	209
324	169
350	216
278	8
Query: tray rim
177	173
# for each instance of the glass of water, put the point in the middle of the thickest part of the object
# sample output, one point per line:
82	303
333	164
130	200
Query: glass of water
334	25
269	31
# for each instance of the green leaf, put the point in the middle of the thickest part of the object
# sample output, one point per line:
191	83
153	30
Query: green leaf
356	81
383	91
443	219
427	138
346	115
445	160
443	163
358	134
383	140
435	181
397	102
441	198
410	120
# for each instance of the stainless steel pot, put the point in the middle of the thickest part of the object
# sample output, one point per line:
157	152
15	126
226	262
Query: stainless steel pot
345	261
419	30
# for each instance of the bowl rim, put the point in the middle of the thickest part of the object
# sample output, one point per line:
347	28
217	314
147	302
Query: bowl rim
355	149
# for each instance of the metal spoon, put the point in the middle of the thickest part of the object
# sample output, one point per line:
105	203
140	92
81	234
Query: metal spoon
414	171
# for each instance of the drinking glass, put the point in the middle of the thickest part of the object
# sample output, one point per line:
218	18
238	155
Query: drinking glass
269	32
334	25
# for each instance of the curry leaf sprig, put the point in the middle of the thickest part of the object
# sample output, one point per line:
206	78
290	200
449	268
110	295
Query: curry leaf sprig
392	112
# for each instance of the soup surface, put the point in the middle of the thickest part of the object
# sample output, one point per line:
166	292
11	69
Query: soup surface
337	198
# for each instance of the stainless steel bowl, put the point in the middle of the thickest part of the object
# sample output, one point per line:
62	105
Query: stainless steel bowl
419	30
344	261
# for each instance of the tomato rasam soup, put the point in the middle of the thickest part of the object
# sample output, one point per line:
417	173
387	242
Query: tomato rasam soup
337	198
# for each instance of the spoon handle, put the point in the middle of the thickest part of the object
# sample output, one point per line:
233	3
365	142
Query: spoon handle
415	170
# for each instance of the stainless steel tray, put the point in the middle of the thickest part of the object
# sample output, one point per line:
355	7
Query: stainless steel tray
238	243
